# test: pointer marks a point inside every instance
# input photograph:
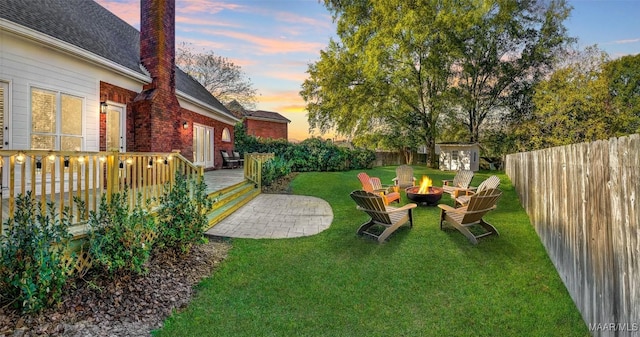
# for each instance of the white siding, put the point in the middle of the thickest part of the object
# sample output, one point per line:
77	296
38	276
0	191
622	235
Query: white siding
26	64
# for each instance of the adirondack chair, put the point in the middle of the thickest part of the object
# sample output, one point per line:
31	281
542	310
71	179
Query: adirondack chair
461	197
404	177
472	214
390	218
374	185
461	181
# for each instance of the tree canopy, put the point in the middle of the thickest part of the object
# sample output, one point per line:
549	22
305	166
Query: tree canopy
220	76
587	99
400	65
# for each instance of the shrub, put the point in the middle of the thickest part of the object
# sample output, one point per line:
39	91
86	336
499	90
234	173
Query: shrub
274	169
32	274
120	238
313	154
182	214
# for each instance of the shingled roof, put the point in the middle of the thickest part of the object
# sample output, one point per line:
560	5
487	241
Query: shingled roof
89	26
267	115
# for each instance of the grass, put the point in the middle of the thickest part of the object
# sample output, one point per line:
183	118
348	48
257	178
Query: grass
422	282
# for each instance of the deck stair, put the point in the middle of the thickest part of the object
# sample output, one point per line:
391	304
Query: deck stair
229	199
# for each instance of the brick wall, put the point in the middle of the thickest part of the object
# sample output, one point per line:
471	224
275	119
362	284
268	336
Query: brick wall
187	135
110	92
156	121
266	129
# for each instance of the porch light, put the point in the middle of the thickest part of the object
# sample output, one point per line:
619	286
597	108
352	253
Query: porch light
66	162
185	125
121	165
150	165
51	157
103	158
20	157
81	160
103	107
38	166
129	161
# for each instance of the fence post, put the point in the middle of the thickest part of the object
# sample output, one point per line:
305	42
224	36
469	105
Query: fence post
113	167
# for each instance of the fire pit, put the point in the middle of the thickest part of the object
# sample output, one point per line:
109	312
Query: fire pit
425	194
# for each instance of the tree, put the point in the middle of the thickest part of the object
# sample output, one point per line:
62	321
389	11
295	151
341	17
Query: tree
570	106
389	69
587	99
504	48
623	83
220	76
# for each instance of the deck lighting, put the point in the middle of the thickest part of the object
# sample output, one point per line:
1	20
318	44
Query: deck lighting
20	157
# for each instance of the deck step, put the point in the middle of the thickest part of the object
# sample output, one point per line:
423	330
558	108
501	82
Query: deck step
229	200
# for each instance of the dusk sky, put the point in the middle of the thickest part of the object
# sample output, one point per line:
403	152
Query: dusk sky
274	40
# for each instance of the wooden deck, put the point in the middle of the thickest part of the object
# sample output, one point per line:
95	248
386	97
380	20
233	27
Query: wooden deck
220	179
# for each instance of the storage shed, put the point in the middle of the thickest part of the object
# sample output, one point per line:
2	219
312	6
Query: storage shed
458	156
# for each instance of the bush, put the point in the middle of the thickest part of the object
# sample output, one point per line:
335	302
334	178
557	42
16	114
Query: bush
274	169
313	154
182	214
120	239
32	274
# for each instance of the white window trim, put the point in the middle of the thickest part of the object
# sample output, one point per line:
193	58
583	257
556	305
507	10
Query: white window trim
59	94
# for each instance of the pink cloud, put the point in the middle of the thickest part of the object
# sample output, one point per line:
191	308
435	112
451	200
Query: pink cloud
191	20
269	45
205	6
127	11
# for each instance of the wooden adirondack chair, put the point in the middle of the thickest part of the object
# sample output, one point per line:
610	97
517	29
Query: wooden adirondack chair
461	181
390	218
471	215
374	185
461	197
404	177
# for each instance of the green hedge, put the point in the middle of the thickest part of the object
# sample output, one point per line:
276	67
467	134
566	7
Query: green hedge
311	155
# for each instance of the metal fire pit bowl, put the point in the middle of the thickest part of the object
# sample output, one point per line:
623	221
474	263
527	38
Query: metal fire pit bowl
426	199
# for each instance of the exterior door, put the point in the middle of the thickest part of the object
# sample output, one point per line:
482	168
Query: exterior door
116	140
203	145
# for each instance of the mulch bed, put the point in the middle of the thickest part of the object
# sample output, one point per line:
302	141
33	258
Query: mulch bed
128	306
97	305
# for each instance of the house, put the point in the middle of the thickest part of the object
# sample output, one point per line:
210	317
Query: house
75	77
260	123
458	156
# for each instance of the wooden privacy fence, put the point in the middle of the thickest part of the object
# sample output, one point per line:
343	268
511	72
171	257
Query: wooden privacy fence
59	177
583	201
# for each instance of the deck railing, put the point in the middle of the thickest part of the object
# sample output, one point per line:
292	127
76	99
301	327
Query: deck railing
253	166
59	177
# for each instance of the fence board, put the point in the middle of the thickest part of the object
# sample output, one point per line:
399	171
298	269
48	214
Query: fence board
583	203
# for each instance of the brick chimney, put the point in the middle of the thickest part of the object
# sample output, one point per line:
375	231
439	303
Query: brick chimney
156	111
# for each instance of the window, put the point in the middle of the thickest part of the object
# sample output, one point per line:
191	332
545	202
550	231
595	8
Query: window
56	121
226	136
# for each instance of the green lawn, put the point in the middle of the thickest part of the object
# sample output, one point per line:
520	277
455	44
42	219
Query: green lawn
422	282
